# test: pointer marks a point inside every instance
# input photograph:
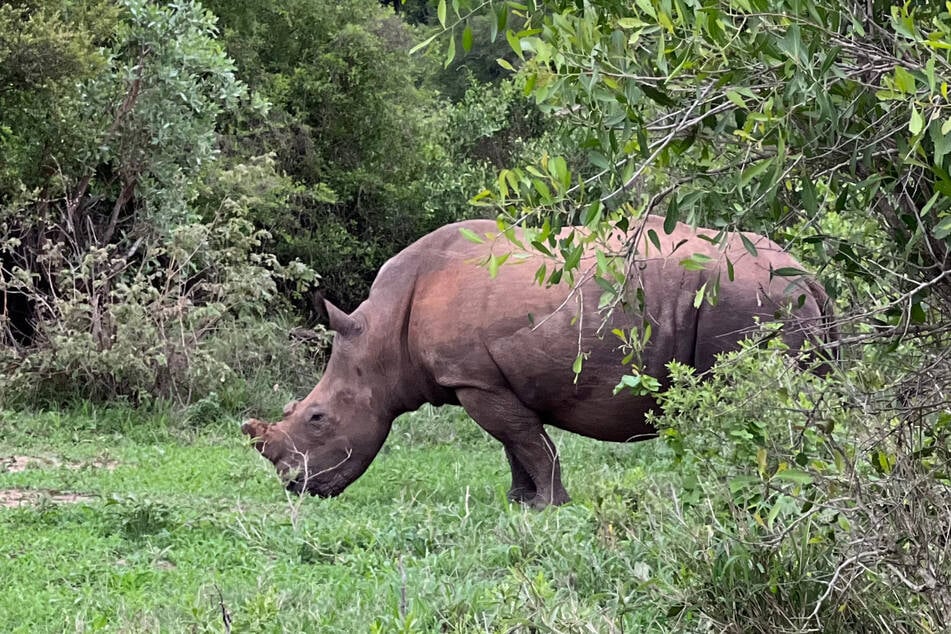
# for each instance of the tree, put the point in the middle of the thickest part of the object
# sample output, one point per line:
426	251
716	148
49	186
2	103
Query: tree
827	125
110	282
348	125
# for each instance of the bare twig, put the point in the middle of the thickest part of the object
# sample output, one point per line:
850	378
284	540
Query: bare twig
225	615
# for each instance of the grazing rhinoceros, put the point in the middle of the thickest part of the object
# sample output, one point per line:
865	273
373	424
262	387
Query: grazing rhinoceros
437	329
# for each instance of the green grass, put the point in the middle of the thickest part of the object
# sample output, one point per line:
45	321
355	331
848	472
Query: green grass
180	521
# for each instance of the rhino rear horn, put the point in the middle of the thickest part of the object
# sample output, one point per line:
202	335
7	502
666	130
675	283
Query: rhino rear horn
290	407
339	321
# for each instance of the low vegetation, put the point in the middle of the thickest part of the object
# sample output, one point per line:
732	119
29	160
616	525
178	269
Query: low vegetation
752	513
188	527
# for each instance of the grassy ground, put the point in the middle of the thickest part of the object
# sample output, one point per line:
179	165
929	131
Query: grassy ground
176	525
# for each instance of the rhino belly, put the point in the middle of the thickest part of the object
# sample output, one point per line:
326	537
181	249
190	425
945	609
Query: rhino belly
620	419
543	380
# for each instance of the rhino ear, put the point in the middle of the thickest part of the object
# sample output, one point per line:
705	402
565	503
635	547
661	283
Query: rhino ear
340	321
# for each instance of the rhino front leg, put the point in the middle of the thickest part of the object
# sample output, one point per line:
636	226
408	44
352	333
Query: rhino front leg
532	454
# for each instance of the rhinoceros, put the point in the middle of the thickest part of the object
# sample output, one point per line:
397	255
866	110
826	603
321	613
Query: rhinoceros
437	328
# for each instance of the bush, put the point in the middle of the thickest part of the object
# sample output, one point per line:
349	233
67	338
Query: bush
129	262
805	504
174	321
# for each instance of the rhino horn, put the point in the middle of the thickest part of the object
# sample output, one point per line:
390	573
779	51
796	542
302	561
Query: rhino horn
255	429
290	407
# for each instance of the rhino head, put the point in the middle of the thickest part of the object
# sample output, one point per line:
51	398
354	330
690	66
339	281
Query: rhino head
327	440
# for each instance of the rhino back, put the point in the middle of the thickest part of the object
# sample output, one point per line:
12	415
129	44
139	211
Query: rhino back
462	328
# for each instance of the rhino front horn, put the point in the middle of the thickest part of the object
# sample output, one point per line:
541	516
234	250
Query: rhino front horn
255	429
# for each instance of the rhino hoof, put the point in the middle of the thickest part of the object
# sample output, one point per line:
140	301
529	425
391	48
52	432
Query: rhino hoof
541	501
521	495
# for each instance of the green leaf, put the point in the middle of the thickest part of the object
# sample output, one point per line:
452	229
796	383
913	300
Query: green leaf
904	80
775	511
737	100
791	44
631	23
501	18
602	262
541	247
670	219
657	95
917	123
742	482
540	274
646	7
941	141
754	170
696	262
652	236
471	235
809	198
441	12
943	229
749	246
559	169
593	216
514	42
787	271
467	39
698	296
577	365
574	257
542	188
599	160
451	52
794	475
495	261
423	44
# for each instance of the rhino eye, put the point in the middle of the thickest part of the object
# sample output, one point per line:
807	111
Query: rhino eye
316	417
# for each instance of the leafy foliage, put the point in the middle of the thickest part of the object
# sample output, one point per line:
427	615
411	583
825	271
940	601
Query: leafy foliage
347	124
769	115
825	513
153	206
111	283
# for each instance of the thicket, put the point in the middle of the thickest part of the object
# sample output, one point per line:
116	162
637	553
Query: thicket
176	181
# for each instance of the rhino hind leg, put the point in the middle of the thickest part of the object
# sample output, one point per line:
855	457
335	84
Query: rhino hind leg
523	487
532	454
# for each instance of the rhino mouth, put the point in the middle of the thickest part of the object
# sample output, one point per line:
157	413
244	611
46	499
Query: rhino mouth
300	483
296	486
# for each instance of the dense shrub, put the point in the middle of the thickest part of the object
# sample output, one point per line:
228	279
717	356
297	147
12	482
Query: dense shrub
112	282
805	503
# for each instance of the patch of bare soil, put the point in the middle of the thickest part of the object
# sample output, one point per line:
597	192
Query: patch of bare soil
12	498
16	464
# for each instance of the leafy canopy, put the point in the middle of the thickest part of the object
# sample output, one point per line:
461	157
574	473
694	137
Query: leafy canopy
784	116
